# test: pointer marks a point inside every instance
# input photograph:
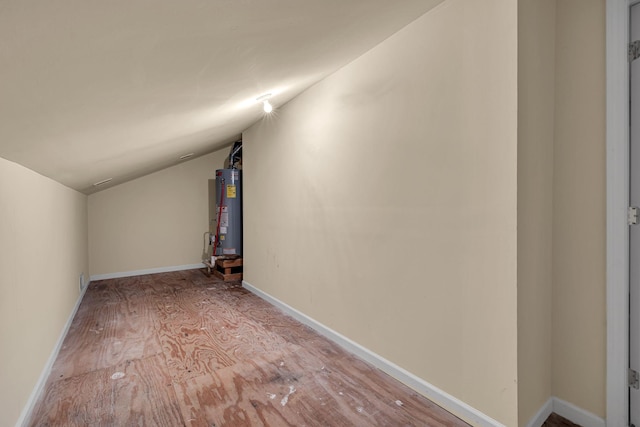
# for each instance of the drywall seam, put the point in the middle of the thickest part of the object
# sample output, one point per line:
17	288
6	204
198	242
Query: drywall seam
25	415
440	397
576	415
146	271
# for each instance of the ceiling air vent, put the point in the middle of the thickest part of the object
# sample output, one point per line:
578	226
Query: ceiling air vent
104	181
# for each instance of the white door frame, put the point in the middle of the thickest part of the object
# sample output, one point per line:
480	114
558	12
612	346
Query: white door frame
617	152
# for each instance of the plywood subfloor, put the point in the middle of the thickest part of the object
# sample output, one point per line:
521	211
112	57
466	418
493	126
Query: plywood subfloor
556	420
179	348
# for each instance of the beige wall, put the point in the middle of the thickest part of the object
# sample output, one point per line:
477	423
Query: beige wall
561	311
579	339
154	221
382	202
43	251
536	76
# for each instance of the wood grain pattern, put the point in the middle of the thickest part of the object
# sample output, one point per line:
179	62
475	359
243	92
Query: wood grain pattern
108	334
556	420
137	392
193	350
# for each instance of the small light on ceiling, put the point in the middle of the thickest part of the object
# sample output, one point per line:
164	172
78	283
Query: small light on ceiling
266	105
186	156
104	181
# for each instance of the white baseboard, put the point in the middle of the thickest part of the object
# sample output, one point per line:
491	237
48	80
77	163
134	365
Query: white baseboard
147	271
25	415
576	415
440	397
567	410
543	413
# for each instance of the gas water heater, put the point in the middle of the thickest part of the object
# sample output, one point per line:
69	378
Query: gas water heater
228	234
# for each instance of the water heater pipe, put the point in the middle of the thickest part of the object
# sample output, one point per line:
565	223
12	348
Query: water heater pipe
206	237
217	240
237	146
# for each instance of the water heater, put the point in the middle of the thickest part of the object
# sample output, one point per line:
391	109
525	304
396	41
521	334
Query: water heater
228	212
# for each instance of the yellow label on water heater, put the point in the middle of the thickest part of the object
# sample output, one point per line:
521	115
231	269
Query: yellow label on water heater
231	191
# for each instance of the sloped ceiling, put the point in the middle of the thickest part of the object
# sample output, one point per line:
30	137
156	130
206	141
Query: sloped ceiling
91	89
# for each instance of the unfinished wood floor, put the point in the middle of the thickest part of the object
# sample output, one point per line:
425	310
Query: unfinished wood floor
556	420
181	349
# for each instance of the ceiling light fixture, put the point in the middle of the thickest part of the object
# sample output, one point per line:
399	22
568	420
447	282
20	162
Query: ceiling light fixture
104	181
266	105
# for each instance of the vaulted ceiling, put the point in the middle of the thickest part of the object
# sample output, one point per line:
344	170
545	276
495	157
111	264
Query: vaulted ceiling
91	90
